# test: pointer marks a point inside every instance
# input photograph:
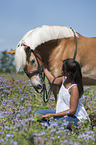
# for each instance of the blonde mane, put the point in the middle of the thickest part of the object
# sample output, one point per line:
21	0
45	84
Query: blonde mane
20	58
38	36
46	33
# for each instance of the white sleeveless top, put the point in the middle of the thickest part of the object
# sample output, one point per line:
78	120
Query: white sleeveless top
63	103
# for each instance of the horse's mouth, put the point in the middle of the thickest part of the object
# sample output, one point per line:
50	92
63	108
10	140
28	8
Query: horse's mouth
37	84
38	88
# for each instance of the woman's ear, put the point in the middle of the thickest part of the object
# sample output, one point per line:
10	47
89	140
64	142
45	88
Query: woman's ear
69	73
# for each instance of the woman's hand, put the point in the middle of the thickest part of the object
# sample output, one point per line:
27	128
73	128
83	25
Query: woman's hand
47	116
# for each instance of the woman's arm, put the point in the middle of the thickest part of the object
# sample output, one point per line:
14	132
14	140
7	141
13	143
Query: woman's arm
73	104
51	77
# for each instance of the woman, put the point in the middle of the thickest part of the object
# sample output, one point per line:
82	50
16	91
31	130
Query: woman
70	95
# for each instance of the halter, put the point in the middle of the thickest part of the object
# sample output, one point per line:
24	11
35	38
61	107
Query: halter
41	75
76	44
32	73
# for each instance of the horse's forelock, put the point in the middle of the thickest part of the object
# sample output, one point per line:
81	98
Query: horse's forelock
20	58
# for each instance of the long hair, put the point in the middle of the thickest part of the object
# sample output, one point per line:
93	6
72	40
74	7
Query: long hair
72	66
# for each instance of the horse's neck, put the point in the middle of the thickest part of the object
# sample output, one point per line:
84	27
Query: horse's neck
45	50
51	53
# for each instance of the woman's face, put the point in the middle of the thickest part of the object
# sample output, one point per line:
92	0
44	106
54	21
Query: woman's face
65	72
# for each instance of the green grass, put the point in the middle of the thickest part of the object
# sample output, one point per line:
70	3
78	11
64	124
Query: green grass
18	101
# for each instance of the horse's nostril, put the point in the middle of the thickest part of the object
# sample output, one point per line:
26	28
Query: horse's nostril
39	86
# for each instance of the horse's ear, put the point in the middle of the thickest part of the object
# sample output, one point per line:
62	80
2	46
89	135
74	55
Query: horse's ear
11	52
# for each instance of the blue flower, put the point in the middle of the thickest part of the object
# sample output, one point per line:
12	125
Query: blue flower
1	140
10	135
44	124
13	142
7	127
52	138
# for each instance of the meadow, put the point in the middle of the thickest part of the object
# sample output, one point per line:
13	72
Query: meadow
18	101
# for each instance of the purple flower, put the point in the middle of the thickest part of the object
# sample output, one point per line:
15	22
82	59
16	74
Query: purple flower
18	115
86	136
44	124
7	127
52	138
10	135
13	142
53	130
1	88
1	140
2	132
40	134
89	132
22	107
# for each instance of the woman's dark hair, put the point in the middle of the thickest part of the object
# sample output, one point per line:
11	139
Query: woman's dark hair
73	67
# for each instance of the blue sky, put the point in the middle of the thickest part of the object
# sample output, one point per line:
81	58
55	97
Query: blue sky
17	17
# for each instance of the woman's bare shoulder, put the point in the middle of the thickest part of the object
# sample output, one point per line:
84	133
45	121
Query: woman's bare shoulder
74	90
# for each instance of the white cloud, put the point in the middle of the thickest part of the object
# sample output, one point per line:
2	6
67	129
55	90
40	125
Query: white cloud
2	40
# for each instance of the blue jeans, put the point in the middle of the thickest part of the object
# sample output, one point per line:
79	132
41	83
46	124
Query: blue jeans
71	120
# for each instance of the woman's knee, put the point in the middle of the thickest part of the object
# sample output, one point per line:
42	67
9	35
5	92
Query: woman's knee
68	122
38	112
45	111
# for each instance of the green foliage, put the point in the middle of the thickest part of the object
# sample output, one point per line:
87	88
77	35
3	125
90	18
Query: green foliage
7	62
18	101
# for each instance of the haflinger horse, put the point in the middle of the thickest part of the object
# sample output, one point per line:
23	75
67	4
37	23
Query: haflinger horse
51	45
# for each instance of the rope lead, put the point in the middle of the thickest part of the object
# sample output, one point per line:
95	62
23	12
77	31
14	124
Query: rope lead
75	42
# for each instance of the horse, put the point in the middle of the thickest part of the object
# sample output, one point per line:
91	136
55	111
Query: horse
51	45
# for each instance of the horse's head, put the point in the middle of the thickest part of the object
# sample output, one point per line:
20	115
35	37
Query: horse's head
33	69
30	61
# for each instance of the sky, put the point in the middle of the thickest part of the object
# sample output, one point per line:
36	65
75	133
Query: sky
17	17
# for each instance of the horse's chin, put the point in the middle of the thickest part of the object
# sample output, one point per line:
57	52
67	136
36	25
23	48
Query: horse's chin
36	83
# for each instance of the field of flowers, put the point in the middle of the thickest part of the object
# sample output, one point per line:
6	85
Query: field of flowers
18	101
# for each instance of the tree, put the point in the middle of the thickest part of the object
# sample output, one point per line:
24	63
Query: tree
7	62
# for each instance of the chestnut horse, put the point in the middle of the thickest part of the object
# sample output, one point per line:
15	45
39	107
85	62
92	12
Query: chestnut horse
51	45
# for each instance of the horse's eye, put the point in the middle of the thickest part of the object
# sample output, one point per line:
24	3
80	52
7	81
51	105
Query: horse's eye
32	61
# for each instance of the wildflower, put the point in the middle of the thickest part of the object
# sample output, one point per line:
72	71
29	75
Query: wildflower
22	107
1	88
1	140
53	130
75	143
58	137
13	142
10	81
7	127
53	124
18	115
42	133
52	138
44	124
31	139
20	82
58	132
25	128
61	128
9	135
29	109
89	132
86	136
31	119
2	132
